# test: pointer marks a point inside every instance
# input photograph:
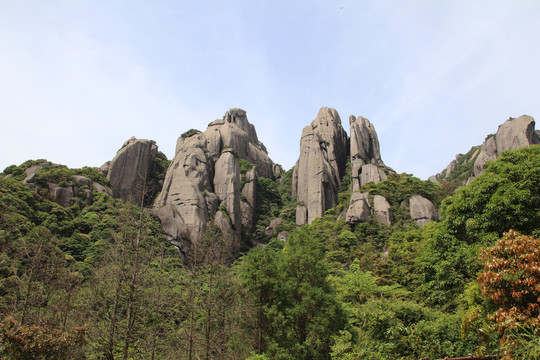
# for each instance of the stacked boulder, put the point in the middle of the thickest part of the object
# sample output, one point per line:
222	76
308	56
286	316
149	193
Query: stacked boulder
204	182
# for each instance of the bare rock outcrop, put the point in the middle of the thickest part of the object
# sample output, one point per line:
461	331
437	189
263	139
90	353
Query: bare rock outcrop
130	169
248	198
78	189
359	209
370	174
513	134
488	152
227	186
204	183
320	166
381	210
422	210
235	132
187	201
366	163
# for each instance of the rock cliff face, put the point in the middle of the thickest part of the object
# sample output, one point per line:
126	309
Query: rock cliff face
511	135
130	169
321	165
204	183
366	163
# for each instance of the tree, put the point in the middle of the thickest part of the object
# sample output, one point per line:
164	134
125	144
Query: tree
506	196
511	278
38	342
297	298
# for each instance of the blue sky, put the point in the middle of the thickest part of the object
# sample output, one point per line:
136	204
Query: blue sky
78	78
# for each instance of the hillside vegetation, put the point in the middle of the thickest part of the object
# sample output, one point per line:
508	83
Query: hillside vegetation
102	281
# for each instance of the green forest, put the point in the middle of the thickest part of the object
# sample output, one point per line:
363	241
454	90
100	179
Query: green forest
102	281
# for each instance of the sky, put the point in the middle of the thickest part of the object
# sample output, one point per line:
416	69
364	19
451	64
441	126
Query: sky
79	78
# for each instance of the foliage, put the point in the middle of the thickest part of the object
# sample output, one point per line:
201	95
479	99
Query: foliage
274	200
463	169
296	298
189	133
511	278
156	178
506	196
400	187
38	342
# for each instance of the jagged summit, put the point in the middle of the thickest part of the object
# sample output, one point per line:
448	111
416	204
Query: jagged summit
513	134
320	166
204	180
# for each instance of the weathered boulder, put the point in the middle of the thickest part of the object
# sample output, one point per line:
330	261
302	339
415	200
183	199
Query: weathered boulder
371	174
512	135
32	171
320	166
381	210
516	133
422	210
270	231
223	223
359	210
283	236
131	168
301	215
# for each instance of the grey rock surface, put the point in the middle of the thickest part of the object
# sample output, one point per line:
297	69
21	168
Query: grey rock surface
359	210
187	201
365	148
422	210
237	133
227	186
270	231
130	169
513	134
320	166
381	210
370	174
488	152
205	173
249	195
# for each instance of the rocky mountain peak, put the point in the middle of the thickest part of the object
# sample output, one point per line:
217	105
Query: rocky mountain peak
513	134
203	182
324	148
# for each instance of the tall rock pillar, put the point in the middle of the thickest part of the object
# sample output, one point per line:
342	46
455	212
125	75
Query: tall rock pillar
318	172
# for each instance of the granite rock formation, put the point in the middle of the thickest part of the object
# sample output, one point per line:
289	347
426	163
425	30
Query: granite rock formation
513	134
366	163
422	210
359	209
79	188
130	169
204	183
381	210
320	166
